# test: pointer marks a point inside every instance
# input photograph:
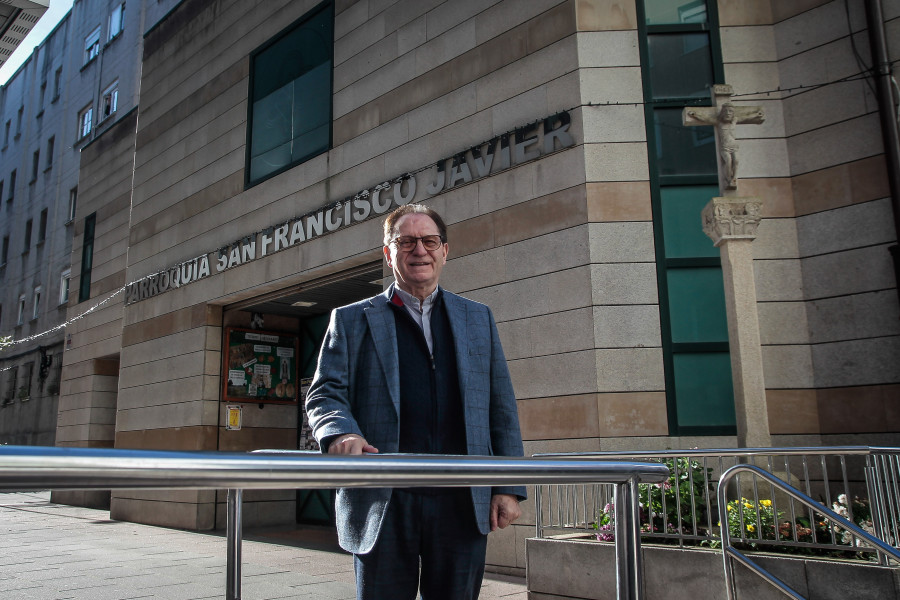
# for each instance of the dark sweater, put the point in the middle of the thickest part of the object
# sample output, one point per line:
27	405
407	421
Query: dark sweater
431	411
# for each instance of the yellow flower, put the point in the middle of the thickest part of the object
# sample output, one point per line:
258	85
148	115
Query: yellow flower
751	528
747	505
729	508
766	503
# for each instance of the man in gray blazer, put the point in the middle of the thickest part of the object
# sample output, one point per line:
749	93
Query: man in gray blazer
416	370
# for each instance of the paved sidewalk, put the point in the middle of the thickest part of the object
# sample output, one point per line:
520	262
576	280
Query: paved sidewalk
56	552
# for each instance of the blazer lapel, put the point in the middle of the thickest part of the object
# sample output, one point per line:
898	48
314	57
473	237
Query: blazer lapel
384	336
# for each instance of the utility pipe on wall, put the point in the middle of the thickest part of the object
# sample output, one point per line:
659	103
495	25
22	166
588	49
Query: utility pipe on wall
881	67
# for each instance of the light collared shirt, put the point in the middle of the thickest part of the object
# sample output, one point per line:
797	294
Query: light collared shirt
420	312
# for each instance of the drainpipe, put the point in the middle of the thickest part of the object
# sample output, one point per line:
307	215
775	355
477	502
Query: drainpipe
883	85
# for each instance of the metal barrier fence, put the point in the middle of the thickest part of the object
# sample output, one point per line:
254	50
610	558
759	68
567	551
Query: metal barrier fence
33	467
858	537
883	481
860	482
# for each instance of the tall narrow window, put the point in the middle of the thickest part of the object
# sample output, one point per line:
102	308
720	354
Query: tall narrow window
25	381
73	201
4	254
19	121
43	97
35	165
51	142
116	20
57	84
64	279
85	122
110	102
20	317
680	61
36	302
6	130
27	236
87	258
42	227
12	186
11	385
290	97
92	45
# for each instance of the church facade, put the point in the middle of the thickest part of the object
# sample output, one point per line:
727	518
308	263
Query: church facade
242	199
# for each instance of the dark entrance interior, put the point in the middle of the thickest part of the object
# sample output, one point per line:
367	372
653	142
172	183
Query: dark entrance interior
310	304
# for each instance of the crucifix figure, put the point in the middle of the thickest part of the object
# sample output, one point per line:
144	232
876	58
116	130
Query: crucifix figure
724	116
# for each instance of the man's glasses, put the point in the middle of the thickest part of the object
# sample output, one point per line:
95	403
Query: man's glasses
408	243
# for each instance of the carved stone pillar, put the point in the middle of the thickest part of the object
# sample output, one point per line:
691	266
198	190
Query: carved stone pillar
731	223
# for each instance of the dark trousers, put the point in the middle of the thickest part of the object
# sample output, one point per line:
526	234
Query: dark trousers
437	529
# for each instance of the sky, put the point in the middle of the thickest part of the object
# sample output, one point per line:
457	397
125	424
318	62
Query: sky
54	14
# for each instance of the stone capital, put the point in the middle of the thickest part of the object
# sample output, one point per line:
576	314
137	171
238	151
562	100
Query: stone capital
731	218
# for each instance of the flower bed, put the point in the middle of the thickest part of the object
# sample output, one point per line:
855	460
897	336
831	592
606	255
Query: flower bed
682	511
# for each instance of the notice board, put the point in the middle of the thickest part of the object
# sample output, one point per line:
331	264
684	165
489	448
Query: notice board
259	366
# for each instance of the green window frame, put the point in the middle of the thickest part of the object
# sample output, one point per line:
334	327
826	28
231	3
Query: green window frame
87	257
680	60
289	110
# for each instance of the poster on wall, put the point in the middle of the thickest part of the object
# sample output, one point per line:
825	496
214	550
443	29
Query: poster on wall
233	422
259	366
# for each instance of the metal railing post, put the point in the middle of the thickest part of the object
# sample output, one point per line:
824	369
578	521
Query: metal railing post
629	571
235	535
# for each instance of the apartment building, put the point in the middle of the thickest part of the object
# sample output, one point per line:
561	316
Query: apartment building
79	81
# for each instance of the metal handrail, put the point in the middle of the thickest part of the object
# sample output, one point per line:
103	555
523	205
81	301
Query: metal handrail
33	467
784	451
729	551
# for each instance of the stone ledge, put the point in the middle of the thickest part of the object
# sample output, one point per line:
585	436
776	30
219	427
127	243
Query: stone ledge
585	570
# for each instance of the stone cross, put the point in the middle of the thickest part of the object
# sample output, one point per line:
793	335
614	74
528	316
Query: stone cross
731	222
724	116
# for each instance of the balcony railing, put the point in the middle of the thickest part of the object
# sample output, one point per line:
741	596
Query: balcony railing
33	467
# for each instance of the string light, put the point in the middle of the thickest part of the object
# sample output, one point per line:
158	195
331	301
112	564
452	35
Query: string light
5	344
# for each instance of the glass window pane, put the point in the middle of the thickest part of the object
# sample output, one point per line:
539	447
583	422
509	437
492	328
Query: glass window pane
271	161
271	121
312	112
697	305
87	257
682	224
683	150
705	394
291	98
680	65
672	12
290	57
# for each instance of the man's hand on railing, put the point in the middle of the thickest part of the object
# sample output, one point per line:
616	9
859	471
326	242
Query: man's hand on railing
504	510
351	444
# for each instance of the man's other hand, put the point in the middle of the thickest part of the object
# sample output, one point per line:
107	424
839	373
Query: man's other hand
504	510
351	444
